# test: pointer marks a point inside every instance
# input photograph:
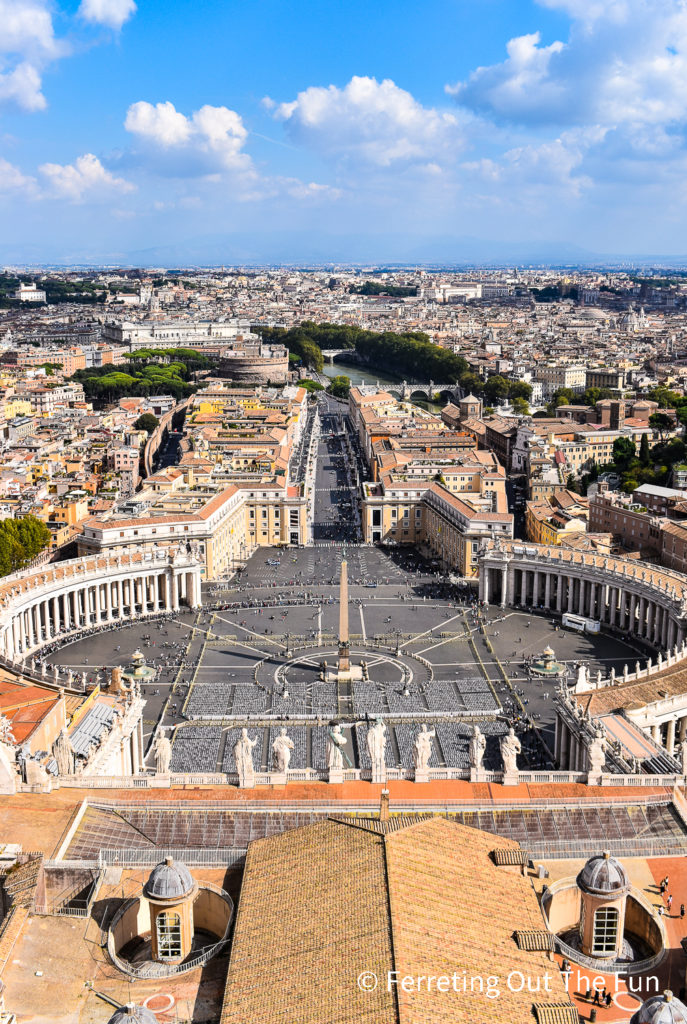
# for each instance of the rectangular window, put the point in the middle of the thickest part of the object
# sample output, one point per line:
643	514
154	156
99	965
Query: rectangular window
168	935
605	931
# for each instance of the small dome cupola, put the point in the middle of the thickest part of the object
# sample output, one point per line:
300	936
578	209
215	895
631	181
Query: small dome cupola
603	875
169	880
664	1009
132	1014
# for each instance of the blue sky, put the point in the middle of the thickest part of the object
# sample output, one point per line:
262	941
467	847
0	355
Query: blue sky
215	131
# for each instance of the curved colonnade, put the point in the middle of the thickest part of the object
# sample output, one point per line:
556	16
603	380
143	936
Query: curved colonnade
642	601
64	597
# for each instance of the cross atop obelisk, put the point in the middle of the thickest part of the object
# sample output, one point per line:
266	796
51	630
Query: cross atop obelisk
344	636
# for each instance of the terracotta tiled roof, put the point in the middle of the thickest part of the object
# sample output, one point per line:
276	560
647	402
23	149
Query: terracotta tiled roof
419	895
313	907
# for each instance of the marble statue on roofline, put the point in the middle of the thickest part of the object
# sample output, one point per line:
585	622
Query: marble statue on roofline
336	741
596	753
478	745
422	748
510	748
163	754
281	751
63	752
376	744
243	756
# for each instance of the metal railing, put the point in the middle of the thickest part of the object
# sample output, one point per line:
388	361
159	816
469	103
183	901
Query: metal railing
132	857
600	966
153	969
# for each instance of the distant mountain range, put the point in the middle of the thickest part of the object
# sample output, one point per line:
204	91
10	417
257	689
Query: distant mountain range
291	249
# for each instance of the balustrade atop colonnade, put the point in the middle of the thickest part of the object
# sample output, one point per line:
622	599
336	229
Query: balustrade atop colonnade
640	600
63	597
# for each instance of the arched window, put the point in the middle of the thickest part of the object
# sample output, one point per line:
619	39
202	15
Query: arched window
168	925
605	931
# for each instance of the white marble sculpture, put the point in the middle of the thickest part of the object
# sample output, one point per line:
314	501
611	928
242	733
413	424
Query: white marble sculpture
63	752
163	754
243	756
336	741
478	744
376	744
281	751
510	748
596	757
422	748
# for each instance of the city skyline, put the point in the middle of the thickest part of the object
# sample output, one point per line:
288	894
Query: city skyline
551	131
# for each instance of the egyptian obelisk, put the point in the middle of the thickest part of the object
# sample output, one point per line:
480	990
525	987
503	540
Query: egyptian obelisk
344	650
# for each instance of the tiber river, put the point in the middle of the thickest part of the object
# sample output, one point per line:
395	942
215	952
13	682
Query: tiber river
359	375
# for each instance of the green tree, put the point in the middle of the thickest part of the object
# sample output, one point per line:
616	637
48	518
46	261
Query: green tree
147	421
666	398
340	386
471	383
520	389
496	388
563	396
644	454
310	385
624	451
594	395
520	406
20	541
661	422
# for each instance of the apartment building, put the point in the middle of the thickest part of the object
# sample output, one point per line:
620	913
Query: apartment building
562	376
555	519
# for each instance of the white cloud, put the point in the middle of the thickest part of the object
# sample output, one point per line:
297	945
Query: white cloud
376	122
85	178
624	62
211	140
22	87
162	123
111	13
27	45
14	180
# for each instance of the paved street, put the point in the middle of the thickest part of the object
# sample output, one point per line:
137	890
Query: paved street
336	494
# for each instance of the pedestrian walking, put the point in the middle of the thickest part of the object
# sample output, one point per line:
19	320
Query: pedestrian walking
682	910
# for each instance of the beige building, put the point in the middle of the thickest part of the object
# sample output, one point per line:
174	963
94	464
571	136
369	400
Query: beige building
222	527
